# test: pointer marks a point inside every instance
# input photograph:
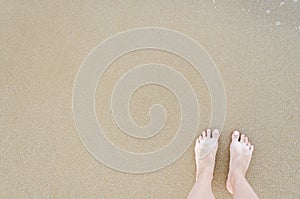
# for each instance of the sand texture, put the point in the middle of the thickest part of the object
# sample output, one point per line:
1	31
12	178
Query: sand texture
43	43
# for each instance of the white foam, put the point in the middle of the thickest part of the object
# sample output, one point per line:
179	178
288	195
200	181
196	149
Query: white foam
278	23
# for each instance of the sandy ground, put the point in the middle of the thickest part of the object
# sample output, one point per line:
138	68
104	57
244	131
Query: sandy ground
43	43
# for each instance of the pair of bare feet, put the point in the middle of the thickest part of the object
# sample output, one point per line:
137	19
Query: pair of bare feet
240	156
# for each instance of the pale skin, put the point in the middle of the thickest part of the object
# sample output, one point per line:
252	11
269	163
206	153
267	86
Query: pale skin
241	151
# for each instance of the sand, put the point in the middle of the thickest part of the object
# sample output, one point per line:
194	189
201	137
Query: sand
42	45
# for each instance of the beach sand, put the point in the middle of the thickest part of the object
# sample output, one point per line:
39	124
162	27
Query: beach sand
256	46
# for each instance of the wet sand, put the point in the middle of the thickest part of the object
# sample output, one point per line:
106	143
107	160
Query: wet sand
42	46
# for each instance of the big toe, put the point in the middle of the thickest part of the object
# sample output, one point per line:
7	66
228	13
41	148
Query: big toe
216	133
235	136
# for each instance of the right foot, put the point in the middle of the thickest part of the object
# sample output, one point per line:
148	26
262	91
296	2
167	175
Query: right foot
240	156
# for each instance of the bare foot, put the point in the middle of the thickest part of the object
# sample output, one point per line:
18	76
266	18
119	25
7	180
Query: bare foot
205	152
240	156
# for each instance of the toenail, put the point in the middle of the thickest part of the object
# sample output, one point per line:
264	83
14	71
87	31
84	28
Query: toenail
236	133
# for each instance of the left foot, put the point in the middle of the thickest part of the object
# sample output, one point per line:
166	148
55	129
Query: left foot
205	152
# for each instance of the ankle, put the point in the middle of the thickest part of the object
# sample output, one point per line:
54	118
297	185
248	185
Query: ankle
235	176
206	175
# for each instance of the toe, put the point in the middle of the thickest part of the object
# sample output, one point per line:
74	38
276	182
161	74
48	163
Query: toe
200	138
249	145
208	131
246	140
203	134
235	136
215	133
252	148
242	138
